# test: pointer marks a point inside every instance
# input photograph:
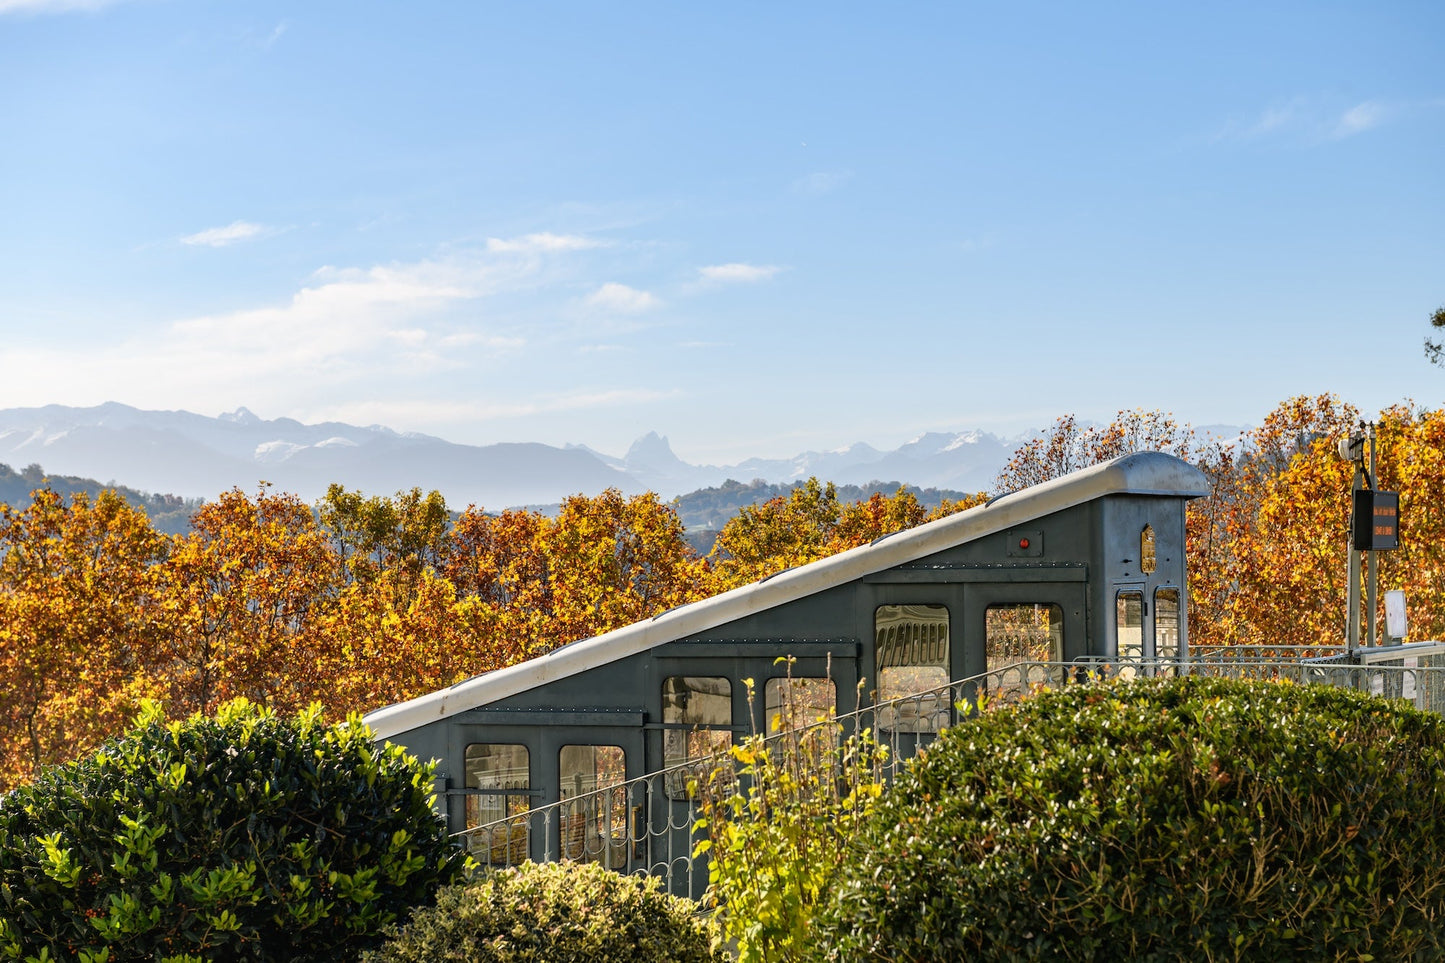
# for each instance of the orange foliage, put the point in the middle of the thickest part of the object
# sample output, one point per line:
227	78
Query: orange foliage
811	524
241	592
79	614
1068	446
369	600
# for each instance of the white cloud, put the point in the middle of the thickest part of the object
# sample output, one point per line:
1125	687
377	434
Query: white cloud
230	234
1272	119
471	413
544	243
51	6
738	273
348	338
821	182
1309	119
1359	119
389	324
462	339
275	35
621	298
345	314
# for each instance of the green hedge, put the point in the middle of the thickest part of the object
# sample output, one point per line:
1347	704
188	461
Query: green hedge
243	837
1195	819
555	913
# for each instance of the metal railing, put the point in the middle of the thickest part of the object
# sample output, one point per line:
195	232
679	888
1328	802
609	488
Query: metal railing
648	824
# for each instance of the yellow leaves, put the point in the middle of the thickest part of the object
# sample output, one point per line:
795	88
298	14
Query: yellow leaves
1070	446
76	614
808	525
99	613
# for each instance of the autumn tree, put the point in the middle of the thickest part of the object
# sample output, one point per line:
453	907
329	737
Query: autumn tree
1279	519
811	523
375	647
604	562
1434	347
778	534
499	558
509	587
242	591
616	560
1070	446
79	626
1411	446
386	543
861	522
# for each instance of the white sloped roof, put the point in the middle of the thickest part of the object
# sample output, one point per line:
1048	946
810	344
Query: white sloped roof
1142	473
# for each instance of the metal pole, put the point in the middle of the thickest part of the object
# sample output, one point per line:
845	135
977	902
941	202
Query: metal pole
1352	616
1374	562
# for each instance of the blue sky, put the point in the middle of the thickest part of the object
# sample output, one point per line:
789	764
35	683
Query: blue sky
756	228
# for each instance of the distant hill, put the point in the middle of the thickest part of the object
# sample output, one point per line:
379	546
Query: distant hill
961	461
704	512
167	513
714	507
199	456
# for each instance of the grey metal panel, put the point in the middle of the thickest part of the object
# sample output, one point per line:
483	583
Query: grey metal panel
947	574
758	649
549	717
1121	520
975	533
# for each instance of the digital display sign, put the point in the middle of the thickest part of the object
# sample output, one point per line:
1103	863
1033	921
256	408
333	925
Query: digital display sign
1376	520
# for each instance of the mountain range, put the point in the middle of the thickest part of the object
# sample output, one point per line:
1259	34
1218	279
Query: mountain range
195	455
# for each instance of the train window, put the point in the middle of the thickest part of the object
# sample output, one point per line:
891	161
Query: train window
501	772
1166	623
1017	633
1146	550
912	654
594	804
690	704
1129	624
794	703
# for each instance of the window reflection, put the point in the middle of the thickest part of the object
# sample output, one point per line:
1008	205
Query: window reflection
690	703
1166	623
501	774
912	653
1028	632
594	804
1129	625
794	703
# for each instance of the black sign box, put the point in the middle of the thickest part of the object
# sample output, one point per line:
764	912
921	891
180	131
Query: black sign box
1376	520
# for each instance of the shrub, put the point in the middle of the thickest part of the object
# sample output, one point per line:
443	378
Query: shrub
242	837
1193	819
777	837
554	913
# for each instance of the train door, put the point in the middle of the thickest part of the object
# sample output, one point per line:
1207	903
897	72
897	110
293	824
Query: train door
599	818
550	791
500	785
915	658
697	709
701	707
1133	642
1148	623
1016	633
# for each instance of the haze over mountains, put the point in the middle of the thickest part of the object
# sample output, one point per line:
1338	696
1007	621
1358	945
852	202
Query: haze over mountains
198	456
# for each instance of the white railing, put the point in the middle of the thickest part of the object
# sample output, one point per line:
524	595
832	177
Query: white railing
640	826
